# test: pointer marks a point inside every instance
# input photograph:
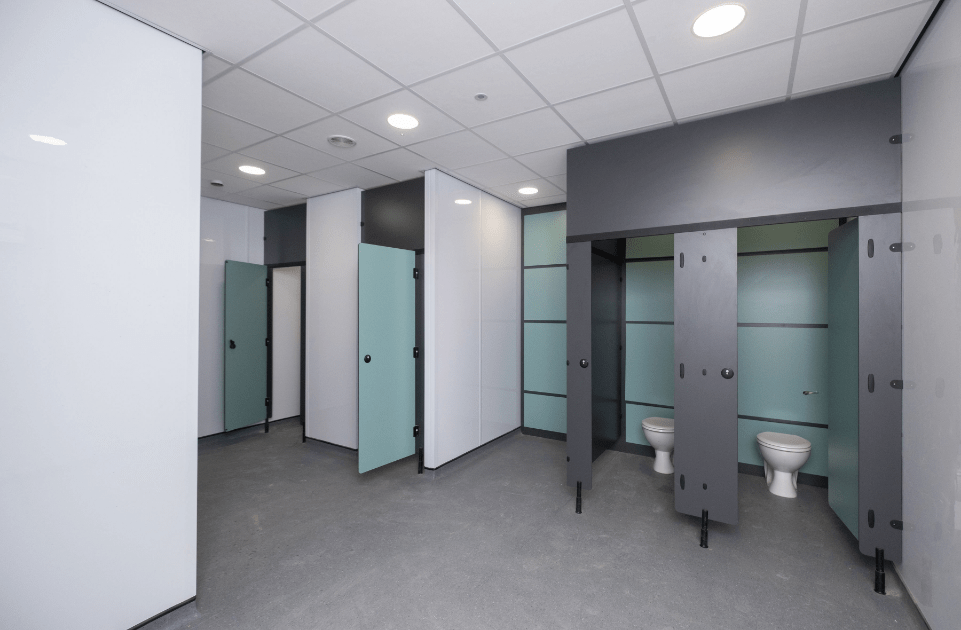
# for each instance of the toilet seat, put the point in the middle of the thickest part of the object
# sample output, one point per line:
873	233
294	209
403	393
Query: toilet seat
658	425
783	442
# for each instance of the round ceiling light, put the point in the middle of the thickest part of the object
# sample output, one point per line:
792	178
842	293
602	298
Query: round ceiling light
342	142
252	170
721	19
402	121
463	202
527	190
47	140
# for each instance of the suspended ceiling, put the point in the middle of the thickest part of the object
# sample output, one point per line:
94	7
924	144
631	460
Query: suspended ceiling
279	78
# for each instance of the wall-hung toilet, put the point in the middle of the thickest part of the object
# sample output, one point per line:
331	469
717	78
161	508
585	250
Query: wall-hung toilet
660	433
783	454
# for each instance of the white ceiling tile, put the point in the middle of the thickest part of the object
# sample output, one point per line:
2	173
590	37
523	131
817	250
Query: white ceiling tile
823	13
507	94
250	98
352	176
399	164
316	135
231	184
559	180
509	22
310	9
745	78
497	173
229	133
546	201
548	162
633	106
250	201
544	189
274	195
231	29
594	56
857	50
410	40
292	155
373	116
307	186
528	132
320	70
212	66
210	152
230	165
667	27
457	150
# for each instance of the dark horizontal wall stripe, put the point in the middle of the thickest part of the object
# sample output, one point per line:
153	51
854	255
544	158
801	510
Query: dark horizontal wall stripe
526	391
644	322
644	404
554	207
543	433
741	325
652	259
545	321
802	478
779	421
544	266
775	252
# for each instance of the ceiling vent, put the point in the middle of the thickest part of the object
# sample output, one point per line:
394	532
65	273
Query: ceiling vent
342	142
216	182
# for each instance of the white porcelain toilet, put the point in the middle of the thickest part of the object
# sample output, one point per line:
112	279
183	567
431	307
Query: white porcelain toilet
660	433
783	454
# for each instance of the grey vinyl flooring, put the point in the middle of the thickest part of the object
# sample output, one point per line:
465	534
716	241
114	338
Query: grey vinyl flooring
291	537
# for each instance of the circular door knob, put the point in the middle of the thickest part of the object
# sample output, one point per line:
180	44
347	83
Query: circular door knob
584	363
366	358
727	373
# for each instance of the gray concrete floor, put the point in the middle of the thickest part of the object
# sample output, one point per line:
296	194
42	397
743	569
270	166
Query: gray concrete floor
290	537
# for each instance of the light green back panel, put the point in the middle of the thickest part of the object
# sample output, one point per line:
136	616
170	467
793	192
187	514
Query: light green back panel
649	373
545	238
843	375
545	358
635	416
245	365
386	333
650	291
766	238
545	293
650	246
748	453
777	365
548	413
783	289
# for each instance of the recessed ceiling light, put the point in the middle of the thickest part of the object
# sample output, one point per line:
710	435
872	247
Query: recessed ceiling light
402	121
480	96
342	142
252	170
216	182
48	140
463	202
527	190
721	19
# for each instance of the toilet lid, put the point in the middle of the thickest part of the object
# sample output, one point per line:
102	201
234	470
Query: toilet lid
658	425
783	442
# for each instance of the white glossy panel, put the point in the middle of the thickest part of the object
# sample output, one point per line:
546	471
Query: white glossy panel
931	93
248	97
533	131
525	20
99	259
458	150
333	234
627	108
285	344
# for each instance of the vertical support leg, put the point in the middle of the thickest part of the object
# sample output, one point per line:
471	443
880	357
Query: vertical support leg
420	461
879	571
266	425
704	529
578	508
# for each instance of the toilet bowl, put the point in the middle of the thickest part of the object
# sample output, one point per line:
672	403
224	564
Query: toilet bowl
783	454
660	433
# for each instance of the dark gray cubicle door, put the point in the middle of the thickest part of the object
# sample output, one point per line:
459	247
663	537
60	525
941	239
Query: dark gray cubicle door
579	392
705	401
879	411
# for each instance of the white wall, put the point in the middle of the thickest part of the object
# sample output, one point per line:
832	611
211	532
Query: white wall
227	232
472	319
98	278
931	95
285	343
333	234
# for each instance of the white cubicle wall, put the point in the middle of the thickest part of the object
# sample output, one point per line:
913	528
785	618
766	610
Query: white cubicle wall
472	318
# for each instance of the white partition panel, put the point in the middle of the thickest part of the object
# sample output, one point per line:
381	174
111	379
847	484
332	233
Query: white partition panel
472	318
99	259
333	234
285	344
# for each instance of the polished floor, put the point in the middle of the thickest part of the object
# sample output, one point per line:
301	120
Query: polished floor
291	537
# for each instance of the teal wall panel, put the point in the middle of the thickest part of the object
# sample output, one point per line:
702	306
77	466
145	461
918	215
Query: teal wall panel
634	433
548	413
649	373
776	366
766	238
782	289
545	238
650	246
545	358
545	293
650	291
748	453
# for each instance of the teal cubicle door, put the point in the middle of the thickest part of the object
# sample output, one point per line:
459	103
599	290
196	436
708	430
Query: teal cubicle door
245	344
387	364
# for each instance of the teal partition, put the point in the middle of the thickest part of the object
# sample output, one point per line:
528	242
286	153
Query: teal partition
245	344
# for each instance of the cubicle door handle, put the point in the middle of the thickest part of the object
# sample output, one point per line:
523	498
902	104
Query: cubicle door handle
232	344
366	358
727	373
584	363
682	370
808	392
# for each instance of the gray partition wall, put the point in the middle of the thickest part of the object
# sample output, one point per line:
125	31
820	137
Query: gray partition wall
579	380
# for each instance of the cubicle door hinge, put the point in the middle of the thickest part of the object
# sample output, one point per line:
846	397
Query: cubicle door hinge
416	273
416	352
267	341
897	384
266	402
901	247
267	281
896	139
896	524
416	430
